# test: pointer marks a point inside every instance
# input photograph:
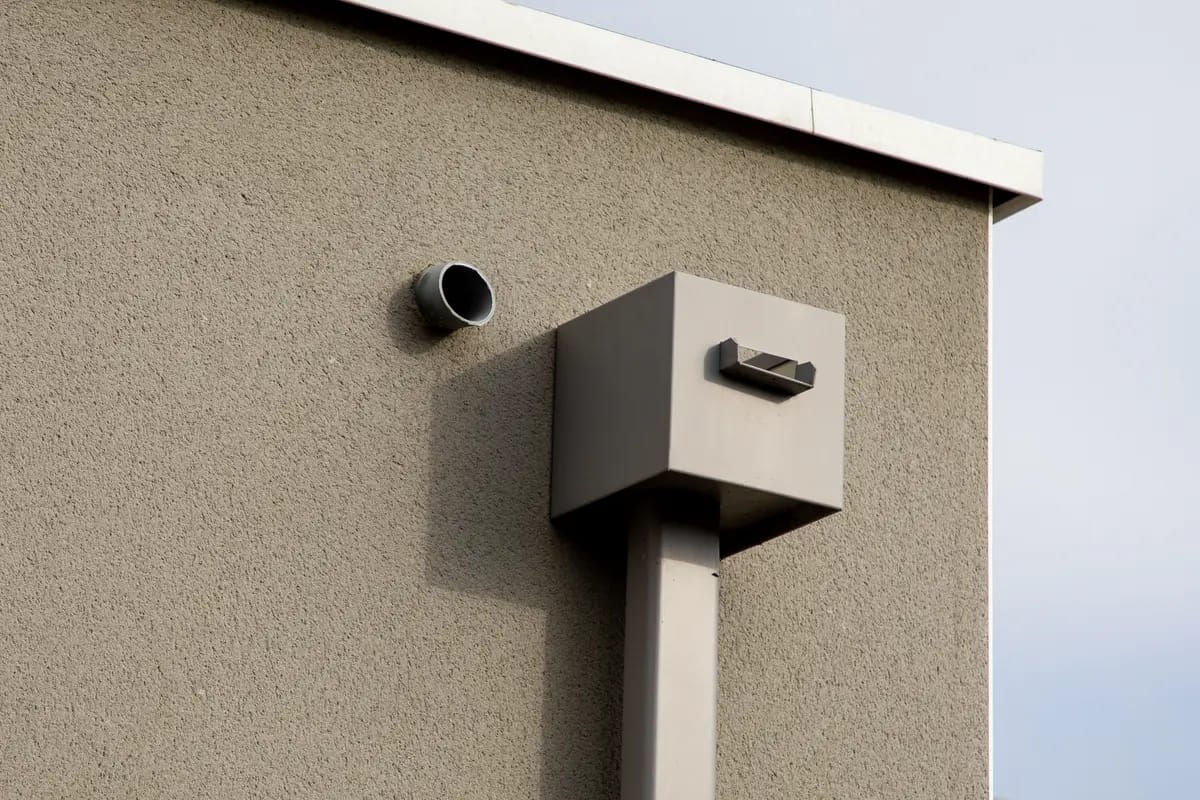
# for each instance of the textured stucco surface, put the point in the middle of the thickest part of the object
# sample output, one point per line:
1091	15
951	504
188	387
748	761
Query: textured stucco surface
261	537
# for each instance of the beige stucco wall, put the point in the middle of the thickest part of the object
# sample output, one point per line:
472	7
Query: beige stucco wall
260	536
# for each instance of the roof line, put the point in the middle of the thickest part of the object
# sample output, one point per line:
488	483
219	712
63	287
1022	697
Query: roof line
1016	172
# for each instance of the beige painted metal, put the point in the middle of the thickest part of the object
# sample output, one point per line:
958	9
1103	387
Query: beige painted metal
652	395
641	404
669	737
1015	171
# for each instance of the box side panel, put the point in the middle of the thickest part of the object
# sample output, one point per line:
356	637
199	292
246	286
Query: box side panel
612	397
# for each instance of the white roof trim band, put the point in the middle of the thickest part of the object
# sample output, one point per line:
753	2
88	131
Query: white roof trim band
1012	170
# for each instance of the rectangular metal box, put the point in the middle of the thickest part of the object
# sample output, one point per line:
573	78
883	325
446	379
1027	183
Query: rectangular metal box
642	403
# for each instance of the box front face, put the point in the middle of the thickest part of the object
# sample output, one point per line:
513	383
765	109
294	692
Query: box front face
744	433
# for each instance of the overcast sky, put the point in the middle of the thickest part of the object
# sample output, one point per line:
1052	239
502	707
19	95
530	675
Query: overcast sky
1097	330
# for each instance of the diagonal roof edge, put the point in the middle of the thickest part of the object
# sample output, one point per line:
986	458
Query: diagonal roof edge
1015	173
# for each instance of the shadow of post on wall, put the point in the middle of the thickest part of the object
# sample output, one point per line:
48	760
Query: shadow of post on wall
490	536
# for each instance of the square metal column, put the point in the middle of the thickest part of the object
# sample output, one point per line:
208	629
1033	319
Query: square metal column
669	744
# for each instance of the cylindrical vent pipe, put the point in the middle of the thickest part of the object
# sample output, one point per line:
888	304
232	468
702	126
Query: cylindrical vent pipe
454	295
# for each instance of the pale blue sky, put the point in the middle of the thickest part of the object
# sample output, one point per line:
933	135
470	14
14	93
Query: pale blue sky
1097	335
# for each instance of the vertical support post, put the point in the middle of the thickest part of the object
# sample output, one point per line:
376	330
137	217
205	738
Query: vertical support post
669	741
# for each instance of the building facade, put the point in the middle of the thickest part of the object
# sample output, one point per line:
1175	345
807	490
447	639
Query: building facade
264	535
